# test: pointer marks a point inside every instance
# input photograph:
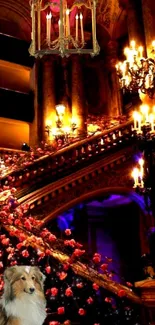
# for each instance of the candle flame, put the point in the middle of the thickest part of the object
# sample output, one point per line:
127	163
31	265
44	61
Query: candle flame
49	16
144	109
135	173
133	44
136	115
141	162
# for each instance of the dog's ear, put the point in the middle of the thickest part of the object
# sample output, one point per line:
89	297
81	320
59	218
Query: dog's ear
9	272
40	276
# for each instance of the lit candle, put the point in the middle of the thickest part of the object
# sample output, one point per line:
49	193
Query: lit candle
59	27
135	175
82	32
140	50
136	119
77	26
145	111
133	44
67	23
48	28
141	164
139	119
151	119
153	45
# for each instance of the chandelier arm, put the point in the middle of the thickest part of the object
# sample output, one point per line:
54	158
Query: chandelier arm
79	5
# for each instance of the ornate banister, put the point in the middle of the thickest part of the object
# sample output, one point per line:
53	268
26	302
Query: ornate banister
55	166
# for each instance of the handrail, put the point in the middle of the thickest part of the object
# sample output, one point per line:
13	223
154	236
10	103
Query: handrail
41	198
76	155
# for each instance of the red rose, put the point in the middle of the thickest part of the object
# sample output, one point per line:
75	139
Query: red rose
67	322
81	312
68	232
90	300
25	253
62	275
61	310
96	259
78	252
121	293
48	269
79	285
54	291
54	322
104	267
5	241
69	292
107	299
95	286
52	237
129	284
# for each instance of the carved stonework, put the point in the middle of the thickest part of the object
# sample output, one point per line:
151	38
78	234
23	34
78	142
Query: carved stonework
114	177
149	24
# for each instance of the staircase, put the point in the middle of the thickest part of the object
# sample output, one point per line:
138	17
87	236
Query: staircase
71	159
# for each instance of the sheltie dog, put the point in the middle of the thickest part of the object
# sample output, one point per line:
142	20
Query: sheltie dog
23	301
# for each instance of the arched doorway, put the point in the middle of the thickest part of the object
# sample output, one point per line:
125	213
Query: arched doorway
113	222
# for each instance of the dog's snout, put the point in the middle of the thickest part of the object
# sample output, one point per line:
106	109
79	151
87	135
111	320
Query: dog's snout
31	290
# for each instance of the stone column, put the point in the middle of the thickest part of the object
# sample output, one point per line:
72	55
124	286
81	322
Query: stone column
148	9
135	23
66	100
78	104
114	93
36	125
103	106
48	94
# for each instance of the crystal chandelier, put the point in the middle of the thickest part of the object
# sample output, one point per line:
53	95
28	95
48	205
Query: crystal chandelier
58	27
137	73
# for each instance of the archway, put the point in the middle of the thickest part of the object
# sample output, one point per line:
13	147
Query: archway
129	226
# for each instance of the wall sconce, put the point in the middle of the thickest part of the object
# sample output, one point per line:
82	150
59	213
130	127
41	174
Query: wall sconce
60	109
73	124
48	127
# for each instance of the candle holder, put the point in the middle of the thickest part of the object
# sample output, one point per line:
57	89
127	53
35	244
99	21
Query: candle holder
144	173
137	73
63	36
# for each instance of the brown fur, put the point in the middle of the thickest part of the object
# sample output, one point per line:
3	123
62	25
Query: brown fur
18	281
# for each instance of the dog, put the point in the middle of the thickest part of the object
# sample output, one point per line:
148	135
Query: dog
23	301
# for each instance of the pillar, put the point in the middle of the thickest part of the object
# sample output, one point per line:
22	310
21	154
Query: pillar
66	100
79	112
114	93
135	23
48	95
103	106
148	9
35	126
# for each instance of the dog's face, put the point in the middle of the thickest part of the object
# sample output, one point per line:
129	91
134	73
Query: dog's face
23	280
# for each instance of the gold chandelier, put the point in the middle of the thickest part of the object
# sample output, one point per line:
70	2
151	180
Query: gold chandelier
137	73
58	27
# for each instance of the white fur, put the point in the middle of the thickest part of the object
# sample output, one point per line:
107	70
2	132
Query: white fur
27	269
29	309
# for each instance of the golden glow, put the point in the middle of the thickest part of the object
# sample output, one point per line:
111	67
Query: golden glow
60	109
48	123
133	44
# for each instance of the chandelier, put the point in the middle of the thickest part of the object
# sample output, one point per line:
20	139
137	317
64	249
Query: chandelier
58	27
144	173
137	73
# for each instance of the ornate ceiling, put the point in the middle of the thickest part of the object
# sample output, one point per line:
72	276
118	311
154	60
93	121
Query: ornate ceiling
15	18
